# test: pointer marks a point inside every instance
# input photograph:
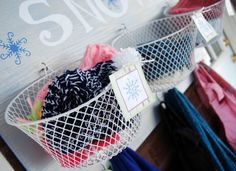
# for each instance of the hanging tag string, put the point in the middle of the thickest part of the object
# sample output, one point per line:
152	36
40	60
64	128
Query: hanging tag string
143	60
204	27
123	28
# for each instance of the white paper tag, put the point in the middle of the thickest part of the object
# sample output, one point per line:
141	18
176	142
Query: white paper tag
229	7
206	30
131	90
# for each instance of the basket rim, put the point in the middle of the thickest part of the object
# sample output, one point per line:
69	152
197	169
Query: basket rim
170	35
204	9
191	24
104	90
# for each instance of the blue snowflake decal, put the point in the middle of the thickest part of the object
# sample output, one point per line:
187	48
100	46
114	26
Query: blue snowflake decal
132	89
14	48
112	3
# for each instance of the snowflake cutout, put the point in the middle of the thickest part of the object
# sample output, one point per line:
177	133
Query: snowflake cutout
14	48
132	89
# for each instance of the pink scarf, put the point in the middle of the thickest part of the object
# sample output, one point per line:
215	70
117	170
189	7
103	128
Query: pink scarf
95	54
220	96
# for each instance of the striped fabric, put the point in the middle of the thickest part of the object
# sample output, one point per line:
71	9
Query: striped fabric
68	91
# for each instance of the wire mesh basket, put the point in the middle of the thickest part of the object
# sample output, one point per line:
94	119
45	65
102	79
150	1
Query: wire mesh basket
167	46
213	14
86	135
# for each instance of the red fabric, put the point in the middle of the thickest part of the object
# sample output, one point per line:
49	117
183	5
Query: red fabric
184	6
220	96
72	160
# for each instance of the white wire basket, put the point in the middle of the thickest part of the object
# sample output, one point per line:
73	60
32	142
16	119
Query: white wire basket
168	47
86	135
213	14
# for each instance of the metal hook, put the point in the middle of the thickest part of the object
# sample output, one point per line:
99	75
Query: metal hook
123	27
45	68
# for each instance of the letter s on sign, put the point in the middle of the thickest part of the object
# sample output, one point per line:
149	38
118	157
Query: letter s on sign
45	35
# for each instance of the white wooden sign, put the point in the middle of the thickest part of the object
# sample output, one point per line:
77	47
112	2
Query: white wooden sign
56	32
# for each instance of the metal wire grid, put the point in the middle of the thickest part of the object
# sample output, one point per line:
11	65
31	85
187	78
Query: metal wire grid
89	134
81	141
169	43
213	14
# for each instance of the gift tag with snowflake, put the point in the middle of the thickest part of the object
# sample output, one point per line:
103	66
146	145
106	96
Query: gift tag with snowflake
204	27
131	90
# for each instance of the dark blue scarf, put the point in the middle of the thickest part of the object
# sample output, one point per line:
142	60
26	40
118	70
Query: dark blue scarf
128	160
223	158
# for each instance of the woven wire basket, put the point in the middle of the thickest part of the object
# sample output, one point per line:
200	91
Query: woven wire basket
213	14
168	47
76	138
